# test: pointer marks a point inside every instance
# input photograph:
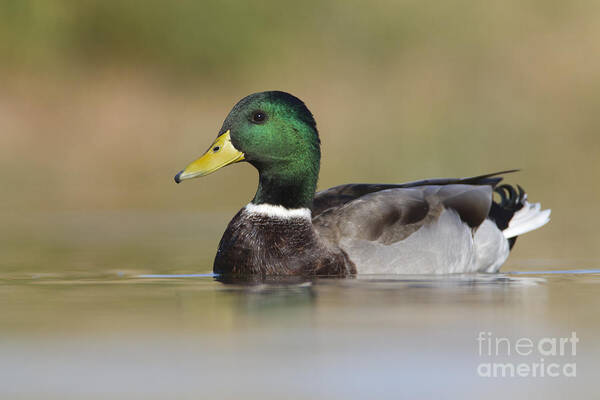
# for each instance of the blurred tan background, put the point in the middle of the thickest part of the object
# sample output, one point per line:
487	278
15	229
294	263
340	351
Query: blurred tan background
102	102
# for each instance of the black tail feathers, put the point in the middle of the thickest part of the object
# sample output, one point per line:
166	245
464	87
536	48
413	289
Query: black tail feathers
511	201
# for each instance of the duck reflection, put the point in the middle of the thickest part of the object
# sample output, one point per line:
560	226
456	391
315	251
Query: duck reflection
289	296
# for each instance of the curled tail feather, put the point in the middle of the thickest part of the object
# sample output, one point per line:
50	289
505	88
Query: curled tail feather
514	215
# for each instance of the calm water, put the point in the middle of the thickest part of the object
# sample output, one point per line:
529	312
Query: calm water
119	306
126	336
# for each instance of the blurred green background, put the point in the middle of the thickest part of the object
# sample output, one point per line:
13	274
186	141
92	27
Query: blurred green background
102	102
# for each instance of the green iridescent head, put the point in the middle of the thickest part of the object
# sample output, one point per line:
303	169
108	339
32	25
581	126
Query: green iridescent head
277	134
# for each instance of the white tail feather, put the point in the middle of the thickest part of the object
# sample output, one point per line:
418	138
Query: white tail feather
528	218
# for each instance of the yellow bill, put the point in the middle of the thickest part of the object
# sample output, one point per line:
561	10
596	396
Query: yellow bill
221	153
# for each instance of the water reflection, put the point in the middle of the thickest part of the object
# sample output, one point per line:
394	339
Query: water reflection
153	336
272	302
270	294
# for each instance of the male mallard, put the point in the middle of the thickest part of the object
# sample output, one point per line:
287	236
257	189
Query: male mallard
431	226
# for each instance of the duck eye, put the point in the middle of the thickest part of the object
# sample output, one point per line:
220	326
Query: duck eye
259	117
215	149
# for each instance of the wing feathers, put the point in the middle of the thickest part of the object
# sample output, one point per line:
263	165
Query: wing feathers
390	215
472	203
339	195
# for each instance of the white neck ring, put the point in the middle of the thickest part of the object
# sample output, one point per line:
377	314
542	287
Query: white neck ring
280	212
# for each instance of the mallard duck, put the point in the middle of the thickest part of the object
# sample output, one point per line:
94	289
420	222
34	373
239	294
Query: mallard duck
429	226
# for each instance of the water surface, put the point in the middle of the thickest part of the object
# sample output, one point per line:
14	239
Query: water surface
123	335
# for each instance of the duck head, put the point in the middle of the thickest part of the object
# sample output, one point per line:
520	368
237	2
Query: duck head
276	133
